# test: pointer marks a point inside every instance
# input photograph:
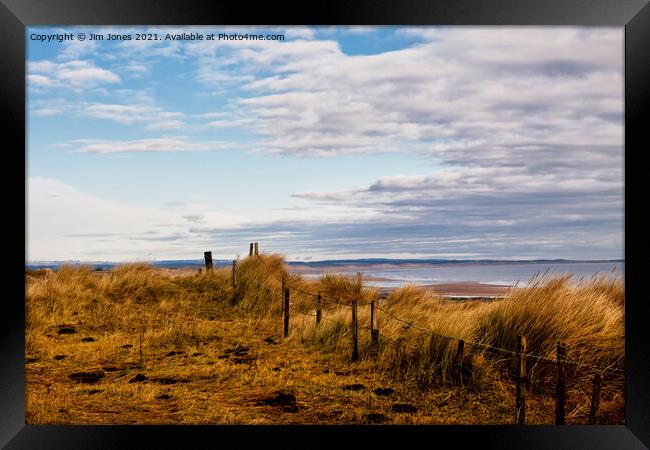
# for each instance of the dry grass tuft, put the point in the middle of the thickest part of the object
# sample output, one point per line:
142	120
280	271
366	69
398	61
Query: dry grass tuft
200	352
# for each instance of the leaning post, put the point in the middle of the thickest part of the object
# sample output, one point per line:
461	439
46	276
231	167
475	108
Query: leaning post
595	399
286	311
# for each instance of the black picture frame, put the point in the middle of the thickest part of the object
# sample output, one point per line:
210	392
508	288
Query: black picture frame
16	15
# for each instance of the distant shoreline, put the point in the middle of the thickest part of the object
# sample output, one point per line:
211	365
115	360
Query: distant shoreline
336	265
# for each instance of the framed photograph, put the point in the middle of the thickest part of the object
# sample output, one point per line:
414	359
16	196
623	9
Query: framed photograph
388	220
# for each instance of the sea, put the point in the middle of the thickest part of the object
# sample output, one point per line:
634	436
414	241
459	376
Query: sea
507	274
396	275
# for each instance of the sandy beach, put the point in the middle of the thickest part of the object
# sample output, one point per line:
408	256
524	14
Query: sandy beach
462	289
469	289
456	289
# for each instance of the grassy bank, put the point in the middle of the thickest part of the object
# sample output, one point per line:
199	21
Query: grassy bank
145	345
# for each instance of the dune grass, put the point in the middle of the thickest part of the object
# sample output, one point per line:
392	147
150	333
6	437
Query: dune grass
215	351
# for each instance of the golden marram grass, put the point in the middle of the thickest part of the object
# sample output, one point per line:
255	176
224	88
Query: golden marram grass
139	344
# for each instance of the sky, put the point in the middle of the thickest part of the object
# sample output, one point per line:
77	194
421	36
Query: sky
333	143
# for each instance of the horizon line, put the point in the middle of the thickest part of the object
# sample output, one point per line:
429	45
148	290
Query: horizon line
424	260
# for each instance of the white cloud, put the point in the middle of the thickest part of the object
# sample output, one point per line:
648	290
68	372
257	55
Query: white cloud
299	33
525	125
82	72
39	80
76	75
150	50
153	117
551	214
73	50
43	107
505	89
163	144
134	69
64	223
44	112
360	29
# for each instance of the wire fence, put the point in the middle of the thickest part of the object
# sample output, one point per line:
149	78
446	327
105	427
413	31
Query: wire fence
455	368
529	356
274	290
300	290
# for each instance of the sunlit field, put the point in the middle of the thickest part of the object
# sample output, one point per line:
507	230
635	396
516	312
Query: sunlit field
139	344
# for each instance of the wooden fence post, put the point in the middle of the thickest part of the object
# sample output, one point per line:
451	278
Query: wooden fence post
141	339
256	250
374	333
432	346
234	282
595	400
318	309
355	343
282	293
208	261
560	392
520	399
375	339
355	323
286	311
458	367
250	250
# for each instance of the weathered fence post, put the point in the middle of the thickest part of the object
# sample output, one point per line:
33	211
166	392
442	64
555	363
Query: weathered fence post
355	343
560	392
595	400
375	339
256	250
208	261
355	325
458	367
141	339
520	399
432	346
250	250
318	309
374	332
286	311
282	292
234	282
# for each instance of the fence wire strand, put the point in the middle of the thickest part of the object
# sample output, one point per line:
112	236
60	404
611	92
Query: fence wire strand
408	324
499	349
